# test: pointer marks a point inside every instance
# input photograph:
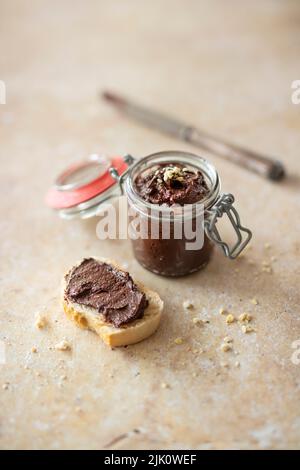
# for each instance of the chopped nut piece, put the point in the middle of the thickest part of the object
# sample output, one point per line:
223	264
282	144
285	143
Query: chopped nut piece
178	341
226	347
267	269
34	350
164	385
245	318
224	364
194	374
5	386
237	364
63	346
254	301
40	322
187	304
230	318
222	311
267	246
173	173
247	329
227	339
198	321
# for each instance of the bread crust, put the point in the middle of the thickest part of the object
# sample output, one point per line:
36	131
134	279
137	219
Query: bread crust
133	332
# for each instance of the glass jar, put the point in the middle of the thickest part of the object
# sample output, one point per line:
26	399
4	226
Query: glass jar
174	256
171	252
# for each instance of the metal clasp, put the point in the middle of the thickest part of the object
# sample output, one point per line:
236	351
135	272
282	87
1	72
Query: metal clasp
119	178
225	205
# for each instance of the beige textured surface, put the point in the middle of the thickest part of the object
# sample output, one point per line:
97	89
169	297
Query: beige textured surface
223	66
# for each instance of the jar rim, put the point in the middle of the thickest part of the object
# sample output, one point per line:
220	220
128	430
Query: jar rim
171	156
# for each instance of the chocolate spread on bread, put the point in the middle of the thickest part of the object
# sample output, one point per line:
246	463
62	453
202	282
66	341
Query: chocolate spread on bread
103	287
171	184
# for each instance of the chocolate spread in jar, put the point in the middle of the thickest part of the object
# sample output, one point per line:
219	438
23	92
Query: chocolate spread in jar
112	292
170	183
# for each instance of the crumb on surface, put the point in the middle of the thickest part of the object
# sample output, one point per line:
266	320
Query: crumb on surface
187	304
225	347
178	340
254	301
224	364
247	329
5	386
34	350
230	318
222	311
197	321
40	322
245	318
227	339
237	364
63	345
164	385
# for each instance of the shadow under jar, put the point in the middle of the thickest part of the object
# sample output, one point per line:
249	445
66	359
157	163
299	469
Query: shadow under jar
178	239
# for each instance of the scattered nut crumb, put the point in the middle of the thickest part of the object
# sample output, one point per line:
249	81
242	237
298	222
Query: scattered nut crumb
40	322
224	364
34	350
245	318
267	246
230	318
187	304
254	301
164	385
222	311
178	341
237	364
273	258
194	374
227	339
226	347
247	329
63	346
267	269
198	321
5	386
78	409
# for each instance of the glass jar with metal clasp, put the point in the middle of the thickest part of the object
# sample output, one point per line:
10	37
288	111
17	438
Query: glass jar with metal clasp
81	189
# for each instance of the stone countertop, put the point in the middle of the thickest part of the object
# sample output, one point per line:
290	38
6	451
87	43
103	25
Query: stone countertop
226	68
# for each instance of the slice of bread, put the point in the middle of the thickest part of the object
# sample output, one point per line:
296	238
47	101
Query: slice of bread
133	332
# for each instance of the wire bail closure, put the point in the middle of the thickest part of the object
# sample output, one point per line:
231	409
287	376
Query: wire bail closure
225	205
128	159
